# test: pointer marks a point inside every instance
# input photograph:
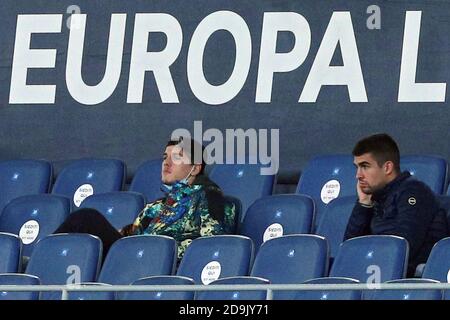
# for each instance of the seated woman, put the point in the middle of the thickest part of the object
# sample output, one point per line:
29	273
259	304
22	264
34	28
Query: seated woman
194	206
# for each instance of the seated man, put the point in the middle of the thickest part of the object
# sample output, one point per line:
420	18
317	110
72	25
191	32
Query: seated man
194	206
392	202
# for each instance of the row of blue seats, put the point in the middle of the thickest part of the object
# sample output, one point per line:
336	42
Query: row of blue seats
324	178
292	259
34	217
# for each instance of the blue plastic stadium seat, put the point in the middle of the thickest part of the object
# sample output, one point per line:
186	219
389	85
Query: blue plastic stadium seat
236	294
376	259
135	257
19	279
438	263
147	180
10	253
159	295
34	217
65	258
329	294
84	177
334	222
120	208
277	215
326	178
210	258
291	259
23	177
430	169
405	294
243	181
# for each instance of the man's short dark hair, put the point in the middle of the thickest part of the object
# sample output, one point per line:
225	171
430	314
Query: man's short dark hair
382	147
191	147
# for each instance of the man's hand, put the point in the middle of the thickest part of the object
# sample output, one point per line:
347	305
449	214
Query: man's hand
364	198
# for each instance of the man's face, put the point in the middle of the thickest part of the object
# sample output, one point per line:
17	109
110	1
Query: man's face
176	165
371	177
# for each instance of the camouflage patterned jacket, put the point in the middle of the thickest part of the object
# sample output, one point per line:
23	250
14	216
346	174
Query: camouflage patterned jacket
188	212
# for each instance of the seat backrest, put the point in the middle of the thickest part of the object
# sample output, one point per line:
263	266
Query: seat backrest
326	178
329	294
159	295
209	258
372	259
405	294
235	294
34	217
84	177
291	259
147	180
438	263
135	257
65	259
243	181
432	170
10	253
23	177
334	222
278	215
119	208
19	279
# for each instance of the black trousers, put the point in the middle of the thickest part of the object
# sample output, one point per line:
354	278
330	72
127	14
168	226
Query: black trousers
93	222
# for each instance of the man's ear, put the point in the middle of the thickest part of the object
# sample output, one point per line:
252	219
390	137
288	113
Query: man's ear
197	169
388	167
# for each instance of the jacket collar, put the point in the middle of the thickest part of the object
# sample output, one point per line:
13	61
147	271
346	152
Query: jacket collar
381	194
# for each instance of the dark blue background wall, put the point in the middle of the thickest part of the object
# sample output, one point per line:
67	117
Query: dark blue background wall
136	132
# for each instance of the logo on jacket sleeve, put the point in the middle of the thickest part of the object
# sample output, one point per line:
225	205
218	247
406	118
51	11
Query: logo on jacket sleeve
412	201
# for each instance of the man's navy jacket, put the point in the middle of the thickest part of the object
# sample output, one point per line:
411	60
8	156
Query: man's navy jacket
407	208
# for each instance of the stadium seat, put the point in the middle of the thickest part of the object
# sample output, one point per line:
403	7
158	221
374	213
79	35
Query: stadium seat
147	180
278	215
120	208
430	169
405	294
19	279
446	295
438	263
23	177
159	295
91	295
334	222
34	217
236	294
326	178
291	259
372	259
135	257
230	200
84	177
209	258
243	181
65	259
10	253
329	294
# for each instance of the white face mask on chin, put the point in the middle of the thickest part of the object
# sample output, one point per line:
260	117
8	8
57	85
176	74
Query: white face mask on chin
168	187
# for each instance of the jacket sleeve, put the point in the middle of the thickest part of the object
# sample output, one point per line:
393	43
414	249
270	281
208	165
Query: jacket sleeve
359	222
414	216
